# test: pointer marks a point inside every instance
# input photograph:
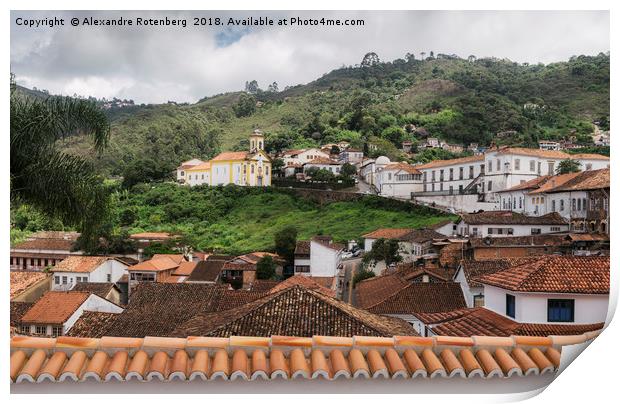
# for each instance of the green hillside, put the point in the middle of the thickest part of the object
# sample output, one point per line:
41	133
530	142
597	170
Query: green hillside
455	99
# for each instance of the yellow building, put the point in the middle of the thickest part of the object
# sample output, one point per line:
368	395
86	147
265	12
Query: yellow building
251	168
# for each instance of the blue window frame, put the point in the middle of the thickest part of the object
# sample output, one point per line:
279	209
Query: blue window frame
561	310
510	305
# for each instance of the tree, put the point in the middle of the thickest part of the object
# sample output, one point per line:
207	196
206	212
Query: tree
409	57
362	274
568	166
266	268
61	185
348	170
321	175
277	165
246	106
383	250
273	87
251	87
285	243
370	59
394	134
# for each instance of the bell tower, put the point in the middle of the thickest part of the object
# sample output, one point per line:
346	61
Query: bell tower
257	141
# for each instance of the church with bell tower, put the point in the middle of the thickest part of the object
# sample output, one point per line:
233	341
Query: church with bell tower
245	168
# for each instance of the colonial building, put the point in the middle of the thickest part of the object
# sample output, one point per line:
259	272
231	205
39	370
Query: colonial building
398	180
240	271
322	163
159	268
582	198
182	169
56	312
319	257
501	223
302	156
251	168
43	250
351	156
85	269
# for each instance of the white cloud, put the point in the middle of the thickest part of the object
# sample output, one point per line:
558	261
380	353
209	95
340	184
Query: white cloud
159	64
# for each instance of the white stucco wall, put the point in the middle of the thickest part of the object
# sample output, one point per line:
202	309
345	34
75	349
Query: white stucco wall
532	307
111	267
324	261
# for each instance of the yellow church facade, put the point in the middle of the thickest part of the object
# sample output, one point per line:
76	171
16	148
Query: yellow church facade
252	168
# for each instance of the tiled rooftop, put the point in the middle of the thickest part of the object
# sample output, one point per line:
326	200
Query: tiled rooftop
412	235
101	289
482	321
473	269
80	263
307	282
250	358
420	297
208	270
55	307
151	235
239	155
408	168
45	244
294	311
555	274
156	264
442	163
508	217
586	180
23	280
185	268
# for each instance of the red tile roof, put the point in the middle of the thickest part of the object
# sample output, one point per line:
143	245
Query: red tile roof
240	155
151	235
554	182
324	161
422	297
294	311
45	244
412	235
80	263
305	281
185	268
287	357
442	163
22	281
156	264
531	184
514	218
408	168
585	181
55	307
473	269
372	291
482	321
396	234
555	274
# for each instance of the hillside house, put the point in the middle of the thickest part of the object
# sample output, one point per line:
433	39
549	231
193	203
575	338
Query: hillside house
182	169
322	163
319	257
240	271
398	180
300	157
73	270
351	156
159	268
56	312
43	250
501	223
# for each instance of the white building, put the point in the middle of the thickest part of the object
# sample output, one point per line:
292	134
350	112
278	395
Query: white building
471	183
322	163
370	168
56	312
319	257
502	223
566	194
73	270
303	156
398	180
182	169
351	156
552	289
549	145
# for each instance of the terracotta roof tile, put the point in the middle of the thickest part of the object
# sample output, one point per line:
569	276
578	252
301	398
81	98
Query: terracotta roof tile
397	234
473	269
94	324
151	235
555	274
200	167
240	155
554	182
584	181
302	248
101	289
23	280
240	358
156	309
185	268
80	263
156	265
531	184
324	161
408	168
374	290
45	244
18	309
422	297
412	235
308	282
295	311
514	218
442	163
55	307
208	270
482	321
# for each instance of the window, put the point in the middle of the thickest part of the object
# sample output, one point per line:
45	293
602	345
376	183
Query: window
109	277
536	231
561	310
510	305
554	229
471	172
490	165
302	268
553	206
451	174
474	231
588	167
520	202
460	173
64	280
57	280
490	186
41	329
561	205
24	329
56	331
497	165
532	165
433	176
479	301
440	175
510	231
517	164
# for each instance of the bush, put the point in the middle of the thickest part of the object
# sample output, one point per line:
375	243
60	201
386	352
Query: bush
362	274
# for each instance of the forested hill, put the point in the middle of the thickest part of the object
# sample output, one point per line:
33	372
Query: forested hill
458	100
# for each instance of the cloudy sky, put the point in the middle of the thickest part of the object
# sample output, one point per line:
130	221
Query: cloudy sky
157	64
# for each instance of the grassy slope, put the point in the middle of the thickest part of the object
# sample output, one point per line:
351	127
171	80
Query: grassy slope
248	222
